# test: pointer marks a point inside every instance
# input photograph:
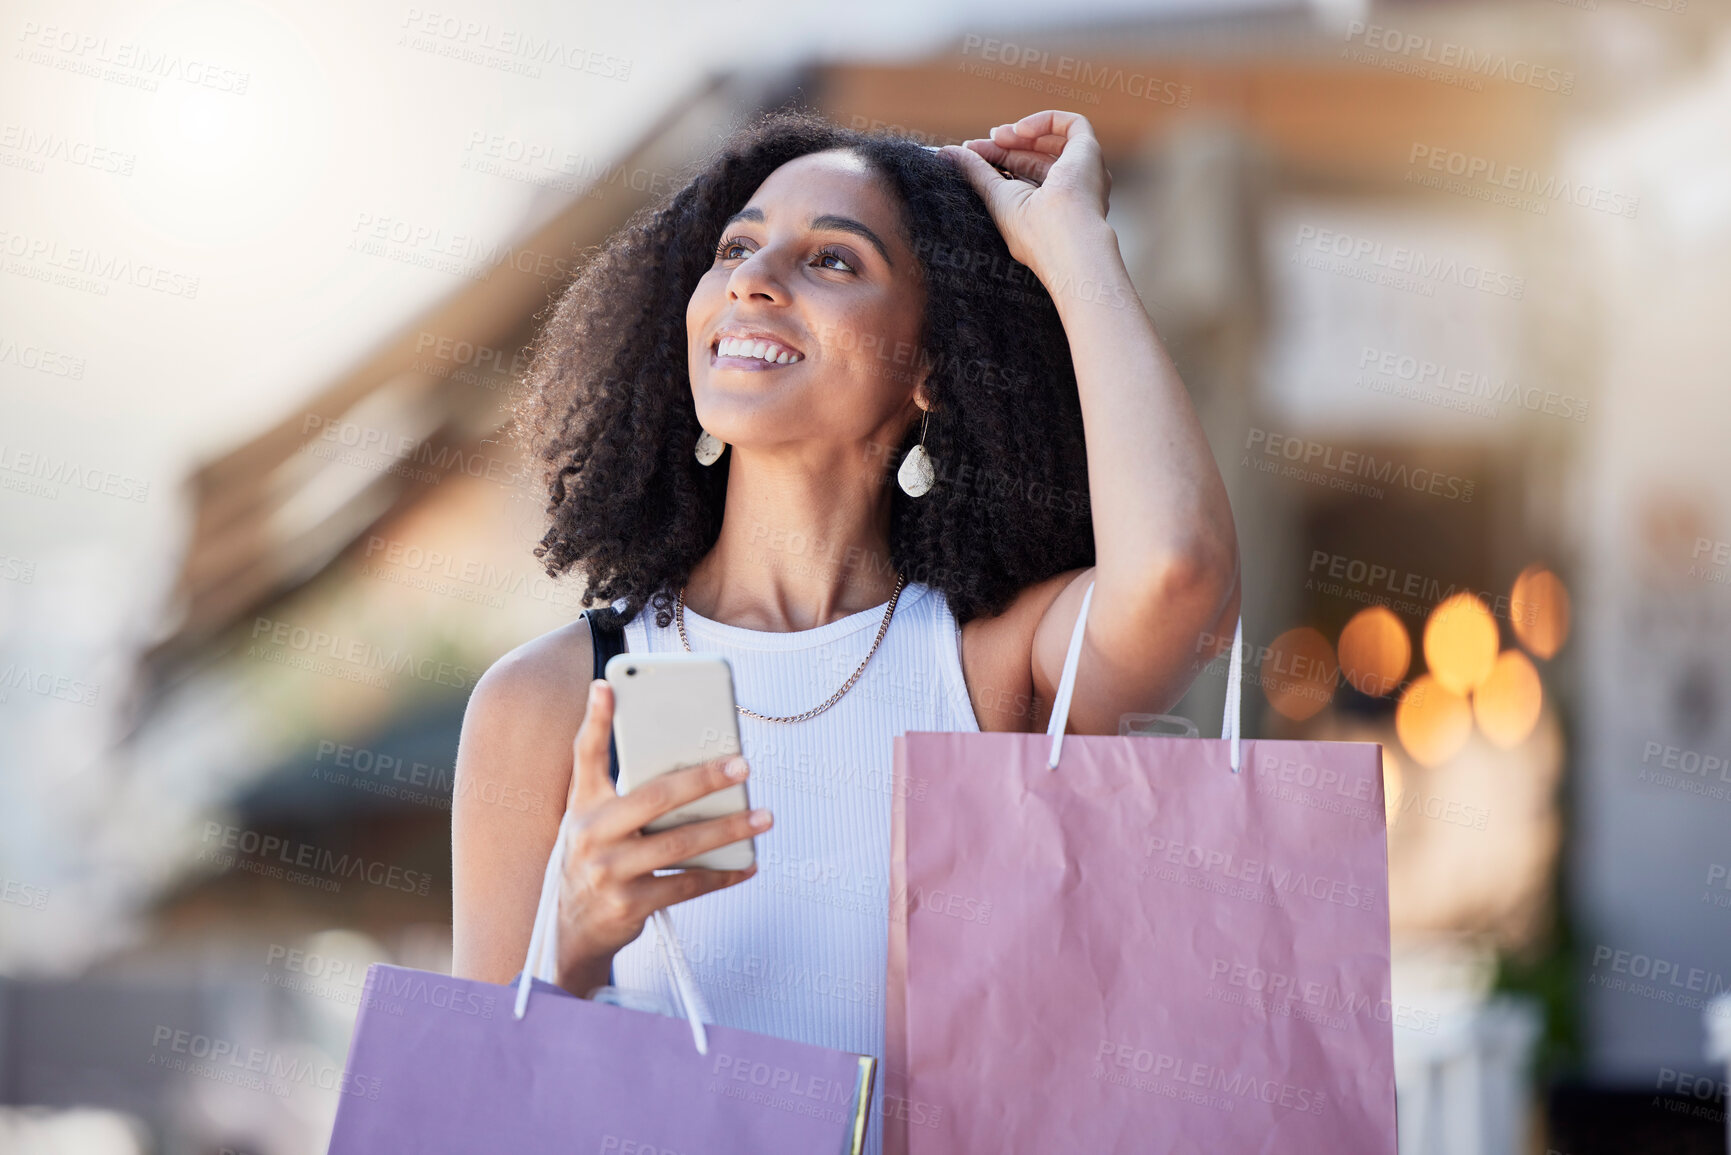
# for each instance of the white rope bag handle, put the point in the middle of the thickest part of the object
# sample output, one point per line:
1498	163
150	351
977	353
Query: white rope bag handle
544	947
1230	721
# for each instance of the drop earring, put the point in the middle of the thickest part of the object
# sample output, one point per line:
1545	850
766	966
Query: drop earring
917	474
709	448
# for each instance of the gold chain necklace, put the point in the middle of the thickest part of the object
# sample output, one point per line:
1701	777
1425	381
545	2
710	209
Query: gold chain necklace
901	580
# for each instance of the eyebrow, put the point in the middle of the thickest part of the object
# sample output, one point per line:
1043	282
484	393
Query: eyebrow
826	221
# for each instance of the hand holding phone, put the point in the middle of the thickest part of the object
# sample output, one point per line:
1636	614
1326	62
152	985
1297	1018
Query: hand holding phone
673	710
610	886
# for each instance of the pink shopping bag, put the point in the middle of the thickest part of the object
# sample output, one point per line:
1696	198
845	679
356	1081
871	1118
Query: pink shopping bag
442	1066
1162	945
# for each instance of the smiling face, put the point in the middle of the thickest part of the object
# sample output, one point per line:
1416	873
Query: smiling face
815	271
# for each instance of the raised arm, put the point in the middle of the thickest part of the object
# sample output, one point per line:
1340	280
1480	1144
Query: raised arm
1166	567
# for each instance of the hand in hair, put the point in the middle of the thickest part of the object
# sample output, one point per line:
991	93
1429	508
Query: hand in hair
1065	185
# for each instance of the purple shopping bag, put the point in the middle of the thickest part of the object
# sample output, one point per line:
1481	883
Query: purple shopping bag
1163	944
440	1064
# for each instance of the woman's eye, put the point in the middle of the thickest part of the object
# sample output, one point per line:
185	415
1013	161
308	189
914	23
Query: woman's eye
822	253
725	252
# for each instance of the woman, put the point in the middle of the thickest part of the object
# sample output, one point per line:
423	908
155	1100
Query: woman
817	307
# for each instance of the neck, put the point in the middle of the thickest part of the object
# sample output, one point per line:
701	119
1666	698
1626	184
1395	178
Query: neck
803	543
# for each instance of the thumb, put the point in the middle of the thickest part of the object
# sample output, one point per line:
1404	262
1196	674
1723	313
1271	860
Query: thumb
591	777
975	167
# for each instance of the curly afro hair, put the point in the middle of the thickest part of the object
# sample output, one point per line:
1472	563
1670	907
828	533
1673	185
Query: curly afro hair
608	407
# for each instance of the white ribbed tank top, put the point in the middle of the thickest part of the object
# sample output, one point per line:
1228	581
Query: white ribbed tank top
799	950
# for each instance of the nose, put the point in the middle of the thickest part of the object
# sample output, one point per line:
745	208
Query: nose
756	276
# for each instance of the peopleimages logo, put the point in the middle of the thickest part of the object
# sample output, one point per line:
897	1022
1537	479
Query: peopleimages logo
137	65
1472	384
1415	49
90	269
503	47
305	856
1496	175
1128	1056
402	448
1691	771
63	687
784	1089
361	655
1687	761
416	988
1400	259
314	965
783	1079
1318	778
1282	992
471	579
1079	72
1249	870
1648	976
457	351
52	472
1376	578
23	894
1718	558
41	360
461	254
253	1067
1351	463
33	148
1718	875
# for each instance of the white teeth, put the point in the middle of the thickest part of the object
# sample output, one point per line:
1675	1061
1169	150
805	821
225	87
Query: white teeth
767	351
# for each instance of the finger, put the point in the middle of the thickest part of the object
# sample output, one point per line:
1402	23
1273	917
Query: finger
1022	162
1051	128
1005	137
988	182
1066	136
975	167
591	774
627	814
664	848
655	891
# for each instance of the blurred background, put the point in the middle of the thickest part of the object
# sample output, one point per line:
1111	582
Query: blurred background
1448	282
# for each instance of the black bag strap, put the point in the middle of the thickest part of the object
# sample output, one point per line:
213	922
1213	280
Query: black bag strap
607	633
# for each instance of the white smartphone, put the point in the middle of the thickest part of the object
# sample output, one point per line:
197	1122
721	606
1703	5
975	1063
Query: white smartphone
676	710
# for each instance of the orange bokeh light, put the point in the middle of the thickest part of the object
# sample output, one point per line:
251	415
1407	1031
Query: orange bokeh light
1507	703
1298	673
1460	643
1539	611
1375	651
1433	722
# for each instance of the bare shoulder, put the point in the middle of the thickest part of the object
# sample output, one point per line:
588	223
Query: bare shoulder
522	717
541	682
997	659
